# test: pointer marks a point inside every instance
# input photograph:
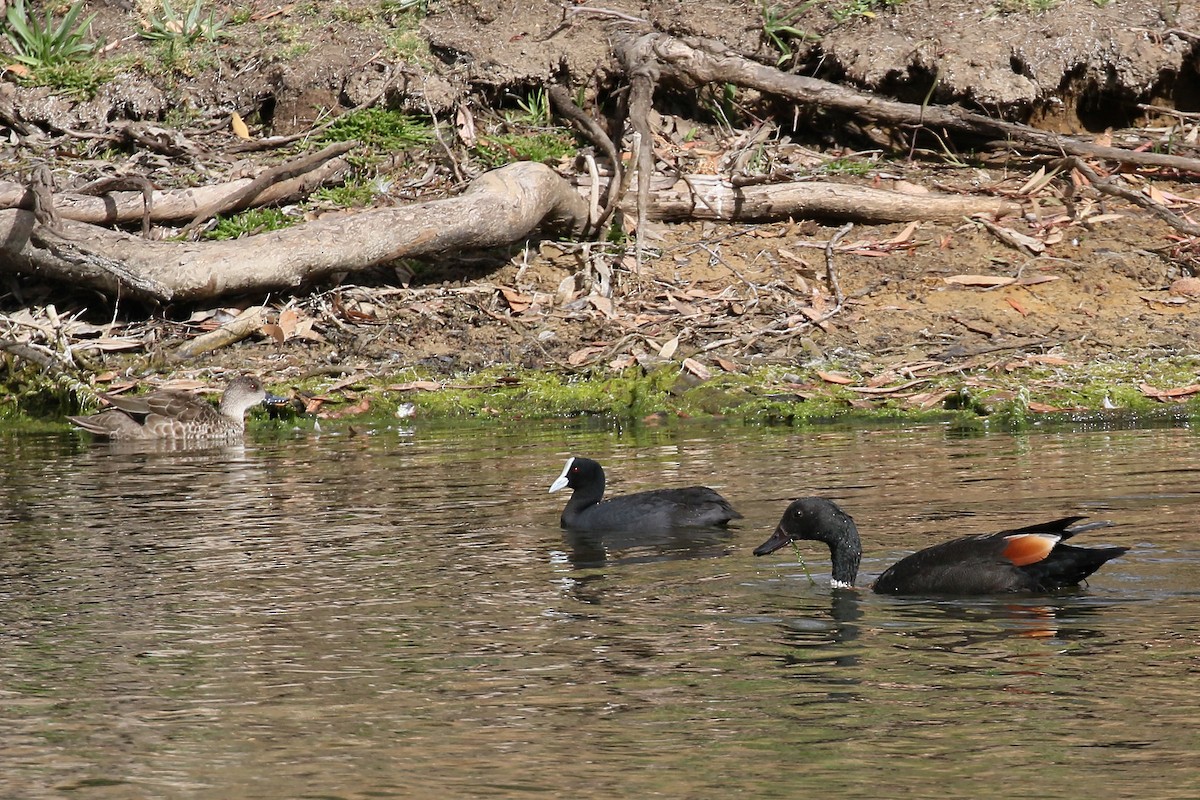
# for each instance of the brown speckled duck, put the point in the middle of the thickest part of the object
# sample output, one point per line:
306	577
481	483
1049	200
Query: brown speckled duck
1029	559
174	415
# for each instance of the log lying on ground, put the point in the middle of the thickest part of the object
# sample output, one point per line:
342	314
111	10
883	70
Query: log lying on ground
172	205
498	208
703	61
712	198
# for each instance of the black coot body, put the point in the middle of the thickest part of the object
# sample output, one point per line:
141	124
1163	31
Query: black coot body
658	509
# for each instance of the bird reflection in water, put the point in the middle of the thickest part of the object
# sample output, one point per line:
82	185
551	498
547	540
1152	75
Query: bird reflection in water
591	549
1065	616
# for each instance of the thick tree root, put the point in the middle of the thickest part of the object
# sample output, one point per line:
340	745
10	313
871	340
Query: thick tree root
500	207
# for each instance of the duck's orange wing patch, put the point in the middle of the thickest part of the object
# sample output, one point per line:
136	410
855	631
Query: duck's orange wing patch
1029	548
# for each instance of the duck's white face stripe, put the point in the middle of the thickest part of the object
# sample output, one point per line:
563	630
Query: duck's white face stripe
561	481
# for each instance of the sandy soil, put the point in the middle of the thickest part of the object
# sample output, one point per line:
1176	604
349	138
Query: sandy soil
728	295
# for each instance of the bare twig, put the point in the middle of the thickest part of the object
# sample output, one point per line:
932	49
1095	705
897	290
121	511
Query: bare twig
698	61
839	298
566	107
281	172
641	65
570	12
119	183
1157	209
592	11
437	132
233	331
1171	112
716	256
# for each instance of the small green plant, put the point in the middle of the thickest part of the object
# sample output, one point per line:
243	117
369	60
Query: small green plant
505	148
847	166
616	234
349	195
79	80
722	102
408	45
248	222
535	109
43	42
380	130
167	26
779	32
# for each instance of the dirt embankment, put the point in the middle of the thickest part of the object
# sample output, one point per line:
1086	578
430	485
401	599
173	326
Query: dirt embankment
1093	277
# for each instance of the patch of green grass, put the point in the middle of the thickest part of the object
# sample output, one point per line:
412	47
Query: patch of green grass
173	58
288	40
79	80
380	130
1109	395
250	222
847	166
181	115
295	50
544	394
349	195
543	146
355	15
46	41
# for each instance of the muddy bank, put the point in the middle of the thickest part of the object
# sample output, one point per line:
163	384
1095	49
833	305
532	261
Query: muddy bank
896	317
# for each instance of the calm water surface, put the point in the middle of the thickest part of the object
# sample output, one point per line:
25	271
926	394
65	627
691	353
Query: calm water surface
399	615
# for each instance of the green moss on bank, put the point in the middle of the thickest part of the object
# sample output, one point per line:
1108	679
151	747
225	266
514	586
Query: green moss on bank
1117	392
1102	393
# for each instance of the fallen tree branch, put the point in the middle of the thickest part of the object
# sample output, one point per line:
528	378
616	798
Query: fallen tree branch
642	68
702	61
103	186
714	198
289	170
831	273
498	208
587	126
245	324
127	207
1109	187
